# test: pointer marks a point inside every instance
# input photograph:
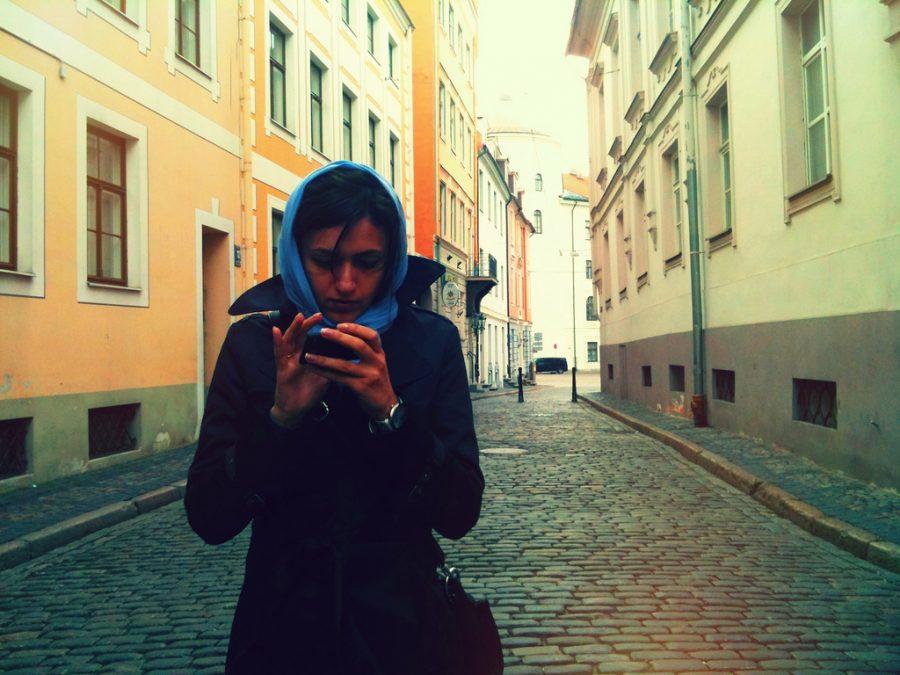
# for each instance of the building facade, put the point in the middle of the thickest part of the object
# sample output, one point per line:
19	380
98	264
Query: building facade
140	192
444	51
795	208
518	237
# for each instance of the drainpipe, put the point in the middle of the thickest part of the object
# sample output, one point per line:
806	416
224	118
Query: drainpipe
574	334
689	105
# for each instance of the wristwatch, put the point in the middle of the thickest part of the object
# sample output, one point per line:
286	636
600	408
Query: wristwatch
392	422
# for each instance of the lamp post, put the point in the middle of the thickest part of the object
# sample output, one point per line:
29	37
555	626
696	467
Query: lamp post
574	200
479	326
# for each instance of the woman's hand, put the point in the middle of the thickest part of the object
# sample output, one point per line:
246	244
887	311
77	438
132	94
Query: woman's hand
297	387
369	378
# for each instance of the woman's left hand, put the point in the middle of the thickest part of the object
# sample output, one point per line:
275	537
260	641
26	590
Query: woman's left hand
368	379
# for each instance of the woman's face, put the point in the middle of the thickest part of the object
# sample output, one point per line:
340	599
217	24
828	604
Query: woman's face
345	280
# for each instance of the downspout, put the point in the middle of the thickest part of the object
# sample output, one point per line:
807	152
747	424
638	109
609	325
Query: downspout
689	104
506	246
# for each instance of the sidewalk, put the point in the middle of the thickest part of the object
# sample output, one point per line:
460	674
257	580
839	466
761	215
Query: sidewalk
873	509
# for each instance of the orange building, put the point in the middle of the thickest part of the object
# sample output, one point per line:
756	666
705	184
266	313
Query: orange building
444	52
140	191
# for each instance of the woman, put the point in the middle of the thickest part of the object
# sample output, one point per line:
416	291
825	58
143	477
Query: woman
344	465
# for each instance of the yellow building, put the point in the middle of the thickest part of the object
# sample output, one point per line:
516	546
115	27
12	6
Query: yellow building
143	151
444	52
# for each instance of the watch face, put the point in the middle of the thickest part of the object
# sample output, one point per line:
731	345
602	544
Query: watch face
398	415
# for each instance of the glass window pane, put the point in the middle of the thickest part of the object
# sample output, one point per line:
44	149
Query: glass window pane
92	253
316	121
189	46
92	160
91	208
277	96
188	13
276	49
5	182
315	80
726	169
5	238
818	155
815	89
809	26
110	161
6	113
723	121
111	212
112	256
728	210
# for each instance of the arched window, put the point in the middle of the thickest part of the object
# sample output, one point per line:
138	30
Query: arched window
538	182
538	222
590	310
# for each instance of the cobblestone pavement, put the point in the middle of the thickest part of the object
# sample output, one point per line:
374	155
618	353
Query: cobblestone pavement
601	550
862	504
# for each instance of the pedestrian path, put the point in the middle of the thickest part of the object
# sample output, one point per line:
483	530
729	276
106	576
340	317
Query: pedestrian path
861	504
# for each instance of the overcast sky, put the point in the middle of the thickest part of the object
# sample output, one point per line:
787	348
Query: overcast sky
523	75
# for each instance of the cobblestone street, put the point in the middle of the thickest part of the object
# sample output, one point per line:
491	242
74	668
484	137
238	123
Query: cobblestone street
601	551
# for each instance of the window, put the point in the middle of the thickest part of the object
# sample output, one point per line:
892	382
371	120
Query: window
590	309
371	20
395	142
592	352
588	269
373	141
462	142
815	401
187	23
538	222
622	254
492	266
106	208
453	216
676	200
467	64
9	129
587	230
277	76
723	385
277	220
315	106
815	91
13	447
345	12
718	199
452	125
392	59
538	183
609	371
112	430
442	108
120	5
451	20
676	378
459	38
481	190
725	160
670	206
646	376
347	125
641	243
443	208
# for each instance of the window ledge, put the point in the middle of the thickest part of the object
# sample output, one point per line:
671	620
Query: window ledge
115	287
666	47
720	240
282	132
607	304
318	155
17	273
193	66
810	195
673	262
623	294
642	280
348	27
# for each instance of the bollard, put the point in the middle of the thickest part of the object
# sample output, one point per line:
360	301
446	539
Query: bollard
574	386
521	391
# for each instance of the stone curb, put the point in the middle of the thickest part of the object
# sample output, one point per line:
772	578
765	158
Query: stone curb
34	544
857	541
493	394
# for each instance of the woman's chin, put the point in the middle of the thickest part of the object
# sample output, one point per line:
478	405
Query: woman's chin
342	316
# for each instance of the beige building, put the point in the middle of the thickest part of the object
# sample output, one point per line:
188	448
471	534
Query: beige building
795	142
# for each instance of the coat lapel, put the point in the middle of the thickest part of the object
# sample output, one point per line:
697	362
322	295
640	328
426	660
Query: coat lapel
402	346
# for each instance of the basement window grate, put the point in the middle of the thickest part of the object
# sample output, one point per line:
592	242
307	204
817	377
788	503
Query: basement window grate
647	376
111	430
676	378
815	401
723	385
13	443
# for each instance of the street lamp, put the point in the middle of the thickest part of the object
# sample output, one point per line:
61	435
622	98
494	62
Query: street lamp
479	327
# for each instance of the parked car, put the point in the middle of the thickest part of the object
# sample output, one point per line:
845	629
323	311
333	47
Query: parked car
551	364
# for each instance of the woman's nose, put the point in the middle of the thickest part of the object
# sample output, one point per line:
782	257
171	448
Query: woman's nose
345	278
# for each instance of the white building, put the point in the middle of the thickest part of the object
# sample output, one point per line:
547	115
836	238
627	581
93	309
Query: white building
493	196
788	111
556	211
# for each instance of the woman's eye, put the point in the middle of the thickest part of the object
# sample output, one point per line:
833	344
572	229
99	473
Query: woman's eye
322	261
370	263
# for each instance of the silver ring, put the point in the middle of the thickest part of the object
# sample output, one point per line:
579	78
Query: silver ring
325	412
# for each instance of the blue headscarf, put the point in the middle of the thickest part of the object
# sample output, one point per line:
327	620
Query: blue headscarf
380	314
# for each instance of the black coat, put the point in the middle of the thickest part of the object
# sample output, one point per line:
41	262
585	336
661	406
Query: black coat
341	542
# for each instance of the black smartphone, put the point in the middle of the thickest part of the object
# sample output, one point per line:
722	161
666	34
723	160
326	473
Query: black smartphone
316	344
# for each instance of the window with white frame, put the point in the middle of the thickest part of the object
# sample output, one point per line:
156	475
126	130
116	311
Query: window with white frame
452	125
347	104
371	25
395	144
808	119
393	65
191	48
345	12
373	141
453	215
277	221
316	123
21	180
592	352
538	222
538	183
480	190
588	269
462	139
718	198
112	207
442	208
128	16
278	75
187	28
670	204
451	20
442	108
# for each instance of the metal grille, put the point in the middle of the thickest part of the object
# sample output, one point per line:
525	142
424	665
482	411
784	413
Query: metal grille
110	430
723	385
13	458
815	401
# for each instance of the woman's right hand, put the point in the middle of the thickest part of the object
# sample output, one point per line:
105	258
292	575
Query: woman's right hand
297	389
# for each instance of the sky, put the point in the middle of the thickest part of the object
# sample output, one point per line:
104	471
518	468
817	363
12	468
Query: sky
523	76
